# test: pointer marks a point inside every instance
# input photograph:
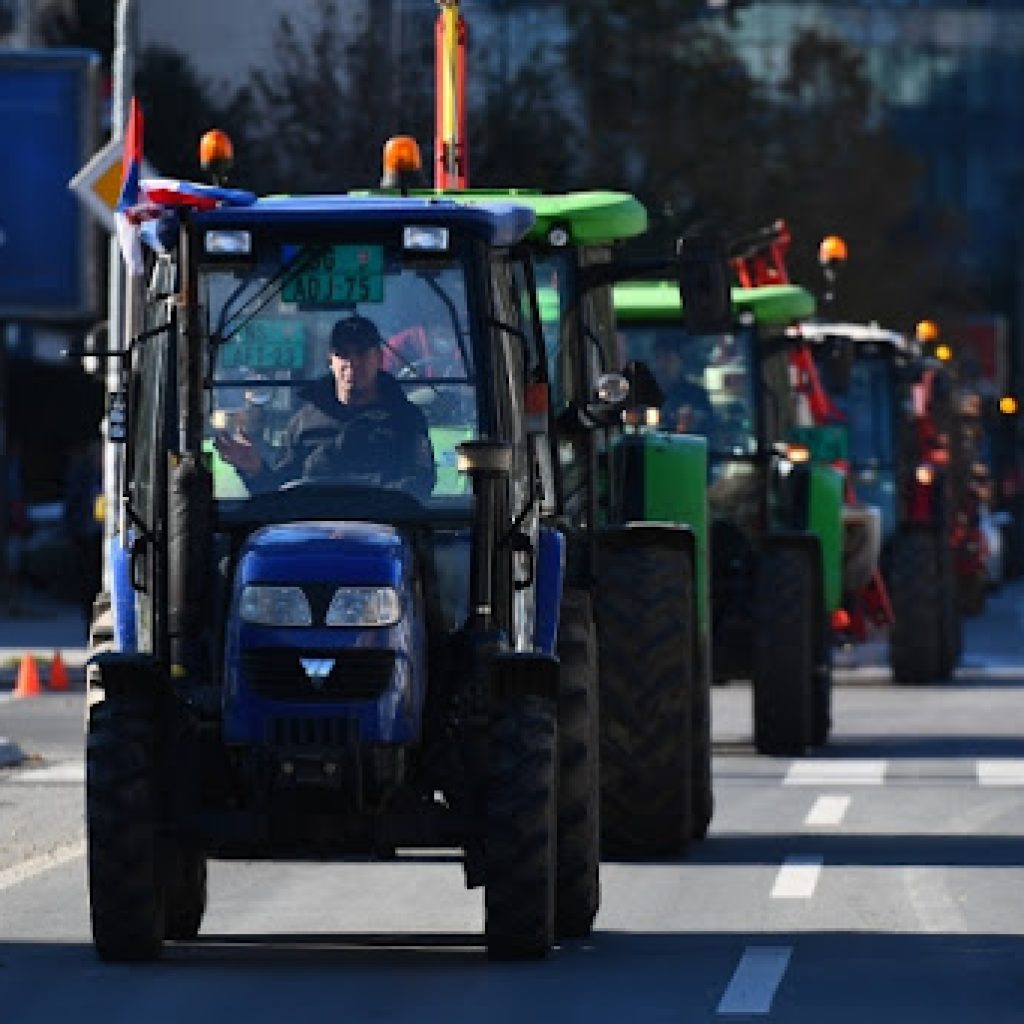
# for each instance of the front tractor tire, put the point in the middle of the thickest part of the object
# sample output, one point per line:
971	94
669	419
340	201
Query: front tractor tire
577	892
646	641
126	892
184	892
521	854
921	645
786	651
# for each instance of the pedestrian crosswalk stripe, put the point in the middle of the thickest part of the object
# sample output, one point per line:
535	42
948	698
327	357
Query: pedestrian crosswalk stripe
836	772
1003	772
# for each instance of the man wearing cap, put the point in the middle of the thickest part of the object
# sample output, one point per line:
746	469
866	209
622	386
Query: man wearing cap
355	424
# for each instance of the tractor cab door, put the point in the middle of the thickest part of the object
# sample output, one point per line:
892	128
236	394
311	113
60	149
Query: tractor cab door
150	375
519	370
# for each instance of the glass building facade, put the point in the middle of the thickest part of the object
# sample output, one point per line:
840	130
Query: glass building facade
950	78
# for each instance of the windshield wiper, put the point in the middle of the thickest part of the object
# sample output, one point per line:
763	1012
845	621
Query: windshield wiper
264	295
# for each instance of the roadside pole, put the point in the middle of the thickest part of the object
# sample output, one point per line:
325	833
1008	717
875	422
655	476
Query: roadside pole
123	73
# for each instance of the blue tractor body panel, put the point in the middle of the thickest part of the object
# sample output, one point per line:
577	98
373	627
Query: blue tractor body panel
377	675
122	598
550	573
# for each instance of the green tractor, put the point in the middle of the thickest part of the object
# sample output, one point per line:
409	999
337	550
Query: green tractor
633	507
775	517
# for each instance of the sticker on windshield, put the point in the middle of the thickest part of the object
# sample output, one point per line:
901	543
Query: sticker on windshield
265	345
341	276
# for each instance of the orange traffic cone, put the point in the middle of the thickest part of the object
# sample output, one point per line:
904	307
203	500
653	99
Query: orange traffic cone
58	673
28	678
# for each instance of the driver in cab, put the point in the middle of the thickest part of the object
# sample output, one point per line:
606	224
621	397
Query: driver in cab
355	425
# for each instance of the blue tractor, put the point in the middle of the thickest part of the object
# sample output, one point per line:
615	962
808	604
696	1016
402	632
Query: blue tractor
313	656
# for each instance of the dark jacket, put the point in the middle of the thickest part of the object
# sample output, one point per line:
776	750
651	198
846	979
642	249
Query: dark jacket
385	443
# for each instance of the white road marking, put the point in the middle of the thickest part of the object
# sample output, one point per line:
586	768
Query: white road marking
828	810
27	869
71	772
1004	772
836	772
797	878
755	980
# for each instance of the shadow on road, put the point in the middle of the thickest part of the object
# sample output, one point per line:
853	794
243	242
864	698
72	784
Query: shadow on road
838	976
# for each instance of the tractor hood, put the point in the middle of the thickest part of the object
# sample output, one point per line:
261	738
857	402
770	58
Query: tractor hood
353	553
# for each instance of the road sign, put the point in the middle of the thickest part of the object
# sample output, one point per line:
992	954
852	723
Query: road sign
98	183
47	259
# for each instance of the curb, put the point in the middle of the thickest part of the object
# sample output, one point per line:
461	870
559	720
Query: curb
10	753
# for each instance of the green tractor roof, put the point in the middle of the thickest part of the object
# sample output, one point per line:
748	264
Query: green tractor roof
589	218
771	305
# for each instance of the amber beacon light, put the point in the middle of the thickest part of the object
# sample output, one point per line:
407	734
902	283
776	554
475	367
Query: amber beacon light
216	154
832	250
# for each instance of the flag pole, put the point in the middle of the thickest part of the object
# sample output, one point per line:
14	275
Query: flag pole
123	72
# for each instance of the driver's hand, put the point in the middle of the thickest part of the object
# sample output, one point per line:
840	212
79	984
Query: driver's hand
240	452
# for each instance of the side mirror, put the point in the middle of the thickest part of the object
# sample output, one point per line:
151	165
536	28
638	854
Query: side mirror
704	284
611	393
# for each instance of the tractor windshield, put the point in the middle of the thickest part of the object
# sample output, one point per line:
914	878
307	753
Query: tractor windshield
708	382
867	404
339	364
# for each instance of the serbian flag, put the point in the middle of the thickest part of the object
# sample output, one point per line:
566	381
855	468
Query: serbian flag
128	203
193	195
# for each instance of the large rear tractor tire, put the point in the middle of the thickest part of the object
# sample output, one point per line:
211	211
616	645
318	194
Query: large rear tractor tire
519	894
645	615
577	891
821	720
951	633
125	885
702	807
916	645
786	646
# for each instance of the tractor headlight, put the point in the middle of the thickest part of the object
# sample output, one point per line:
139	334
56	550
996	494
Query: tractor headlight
364	606
275	606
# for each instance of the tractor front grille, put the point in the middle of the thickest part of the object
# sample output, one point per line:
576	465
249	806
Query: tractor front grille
355	674
313	735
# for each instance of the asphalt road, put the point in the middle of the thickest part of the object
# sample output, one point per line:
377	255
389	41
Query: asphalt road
880	881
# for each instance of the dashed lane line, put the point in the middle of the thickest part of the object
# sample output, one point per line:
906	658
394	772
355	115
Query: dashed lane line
756	980
27	869
1003	772
828	811
798	877
836	772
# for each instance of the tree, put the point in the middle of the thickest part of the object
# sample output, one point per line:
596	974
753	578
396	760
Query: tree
326	108
179	107
836	169
86	23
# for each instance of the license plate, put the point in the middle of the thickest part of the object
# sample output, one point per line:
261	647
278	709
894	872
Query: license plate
265	345
341	276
